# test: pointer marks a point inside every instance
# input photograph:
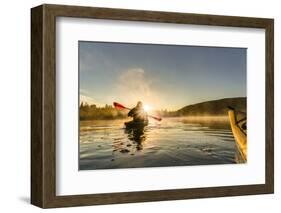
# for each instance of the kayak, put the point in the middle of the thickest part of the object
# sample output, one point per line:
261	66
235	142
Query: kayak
136	124
239	133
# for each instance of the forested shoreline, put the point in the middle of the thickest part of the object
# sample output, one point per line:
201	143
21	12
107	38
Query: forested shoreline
208	108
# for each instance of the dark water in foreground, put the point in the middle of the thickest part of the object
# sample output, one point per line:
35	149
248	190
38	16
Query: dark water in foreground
171	142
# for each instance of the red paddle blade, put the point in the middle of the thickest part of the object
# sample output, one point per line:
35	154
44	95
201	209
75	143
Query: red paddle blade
119	106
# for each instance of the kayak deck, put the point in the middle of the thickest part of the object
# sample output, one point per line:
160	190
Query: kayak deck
135	125
239	134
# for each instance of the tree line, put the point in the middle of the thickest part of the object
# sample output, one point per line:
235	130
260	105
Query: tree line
108	112
92	112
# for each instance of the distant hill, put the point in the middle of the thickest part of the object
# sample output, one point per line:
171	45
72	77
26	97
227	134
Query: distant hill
216	107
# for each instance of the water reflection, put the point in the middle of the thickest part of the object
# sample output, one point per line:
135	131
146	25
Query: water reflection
173	142
137	136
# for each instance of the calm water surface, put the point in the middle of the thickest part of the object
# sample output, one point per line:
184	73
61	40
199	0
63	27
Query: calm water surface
171	142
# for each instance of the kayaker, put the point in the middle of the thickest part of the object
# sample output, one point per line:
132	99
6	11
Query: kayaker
138	113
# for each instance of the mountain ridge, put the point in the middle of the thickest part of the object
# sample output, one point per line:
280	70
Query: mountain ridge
214	107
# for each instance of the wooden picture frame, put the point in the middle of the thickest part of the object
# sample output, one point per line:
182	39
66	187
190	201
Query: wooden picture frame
43	105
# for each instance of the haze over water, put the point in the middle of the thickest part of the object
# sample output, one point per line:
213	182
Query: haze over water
106	144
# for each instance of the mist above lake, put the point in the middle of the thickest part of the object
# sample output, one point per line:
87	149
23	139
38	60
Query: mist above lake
107	144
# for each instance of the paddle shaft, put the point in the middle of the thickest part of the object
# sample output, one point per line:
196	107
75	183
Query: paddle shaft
117	105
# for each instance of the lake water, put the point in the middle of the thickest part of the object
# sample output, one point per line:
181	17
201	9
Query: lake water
171	142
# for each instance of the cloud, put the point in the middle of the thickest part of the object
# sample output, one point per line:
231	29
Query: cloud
89	100
84	92
84	97
133	86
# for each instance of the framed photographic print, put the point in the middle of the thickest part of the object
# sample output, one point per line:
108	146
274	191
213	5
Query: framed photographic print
137	106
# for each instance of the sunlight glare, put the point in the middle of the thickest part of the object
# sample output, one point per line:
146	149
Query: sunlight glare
147	108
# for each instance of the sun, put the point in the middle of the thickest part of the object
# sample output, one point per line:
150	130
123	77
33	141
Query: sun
146	108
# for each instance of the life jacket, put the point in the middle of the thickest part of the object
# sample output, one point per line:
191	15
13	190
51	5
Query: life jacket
138	114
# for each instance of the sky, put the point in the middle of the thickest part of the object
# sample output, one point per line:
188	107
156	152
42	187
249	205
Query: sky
161	76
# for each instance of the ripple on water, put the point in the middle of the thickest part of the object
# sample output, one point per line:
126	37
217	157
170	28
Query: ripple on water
104	145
